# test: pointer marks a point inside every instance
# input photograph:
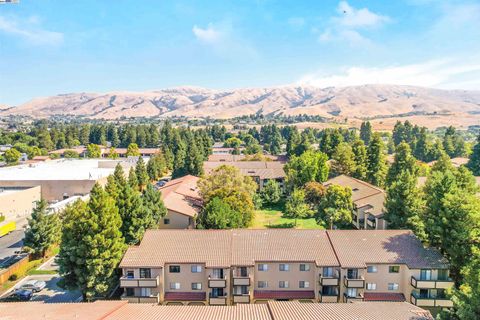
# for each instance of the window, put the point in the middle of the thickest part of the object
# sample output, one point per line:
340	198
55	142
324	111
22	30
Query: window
238	290
304	284
371	286
196	268
145	273
283	284
130	274
425	274
372	269
175	285
166	221
196	286
263	267
352	273
262	284
327	272
174	269
217	273
442	274
352	292
145	292
329	291
284	267
304	267
394	269
393	286
217	292
242	272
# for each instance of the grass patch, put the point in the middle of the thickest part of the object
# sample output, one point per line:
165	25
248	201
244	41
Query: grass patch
272	217
41	272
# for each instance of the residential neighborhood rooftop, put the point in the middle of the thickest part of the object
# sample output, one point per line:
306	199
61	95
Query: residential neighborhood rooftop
273	310
182	195
261	169
225	248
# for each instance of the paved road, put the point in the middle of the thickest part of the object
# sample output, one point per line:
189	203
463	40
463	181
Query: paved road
51	293
9	244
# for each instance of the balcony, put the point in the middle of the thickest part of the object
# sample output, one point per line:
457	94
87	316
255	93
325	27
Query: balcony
139	282
241	281
328	298
430	301
329	281
347	298
217	283
155	298
354	283
430	284
217	300
241	298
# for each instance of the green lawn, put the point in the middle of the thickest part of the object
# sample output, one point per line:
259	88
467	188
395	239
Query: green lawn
271	217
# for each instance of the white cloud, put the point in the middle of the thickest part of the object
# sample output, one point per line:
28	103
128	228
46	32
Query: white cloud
210	34
224	40
30	31
346	25
444	73
351	17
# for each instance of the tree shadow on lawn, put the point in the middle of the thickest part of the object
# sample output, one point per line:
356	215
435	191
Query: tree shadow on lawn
286	225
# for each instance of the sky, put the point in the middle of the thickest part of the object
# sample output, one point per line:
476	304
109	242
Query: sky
48	47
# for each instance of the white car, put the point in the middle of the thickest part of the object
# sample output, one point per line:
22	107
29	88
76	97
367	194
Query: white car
33	285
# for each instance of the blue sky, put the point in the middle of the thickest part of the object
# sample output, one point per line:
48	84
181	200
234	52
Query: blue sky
49	47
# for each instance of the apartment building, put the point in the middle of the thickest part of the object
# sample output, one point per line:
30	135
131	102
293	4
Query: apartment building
260	171
224	267
183	202
273	310
367	201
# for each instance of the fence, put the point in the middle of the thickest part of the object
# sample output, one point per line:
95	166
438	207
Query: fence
14	268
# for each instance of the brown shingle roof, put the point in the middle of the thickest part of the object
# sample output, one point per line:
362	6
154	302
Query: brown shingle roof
182	195
357	248
224	248
383	296
294	310
262	169
363	193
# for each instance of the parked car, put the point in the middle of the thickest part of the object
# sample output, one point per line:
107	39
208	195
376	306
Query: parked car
33	285
161	183
19	295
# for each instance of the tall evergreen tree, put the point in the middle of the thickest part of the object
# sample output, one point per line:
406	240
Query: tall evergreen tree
43	229
152	201
92	245
360	158
376	163
404	205
134	216
366	132
141	173
403	162
133	179
343	160
474	161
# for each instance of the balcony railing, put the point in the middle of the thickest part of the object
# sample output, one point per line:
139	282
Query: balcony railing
347	298
215	300
126	282
142	299
329	281
430	301
329	298
354	282
241	298
214	282
241	281
419	283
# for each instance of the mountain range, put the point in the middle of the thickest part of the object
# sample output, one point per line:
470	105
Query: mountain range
366	101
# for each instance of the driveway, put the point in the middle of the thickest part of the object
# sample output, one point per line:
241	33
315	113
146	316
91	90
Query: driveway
9	244
51	293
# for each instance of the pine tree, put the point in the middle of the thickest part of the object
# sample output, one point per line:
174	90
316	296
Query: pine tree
43	229
403	162
141	173
404	205
376	163
133	214
133	179
92	245
343	160
474	161
366	132
152	201
193	161
119	175
360	158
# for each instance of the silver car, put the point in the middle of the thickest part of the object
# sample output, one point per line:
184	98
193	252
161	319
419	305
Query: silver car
33	285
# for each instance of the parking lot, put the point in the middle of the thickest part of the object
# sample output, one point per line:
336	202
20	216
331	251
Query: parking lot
51	293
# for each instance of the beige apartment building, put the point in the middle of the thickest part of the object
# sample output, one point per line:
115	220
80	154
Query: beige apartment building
367	201
18	202
225	267
183	202
260	171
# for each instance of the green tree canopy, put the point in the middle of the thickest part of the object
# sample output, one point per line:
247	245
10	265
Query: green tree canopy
343	160
271	192
93	151
376	162
133	150
403	162
310	166
12	155
336	207
218	214
296	207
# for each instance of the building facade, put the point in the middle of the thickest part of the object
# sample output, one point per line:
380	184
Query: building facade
225	267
